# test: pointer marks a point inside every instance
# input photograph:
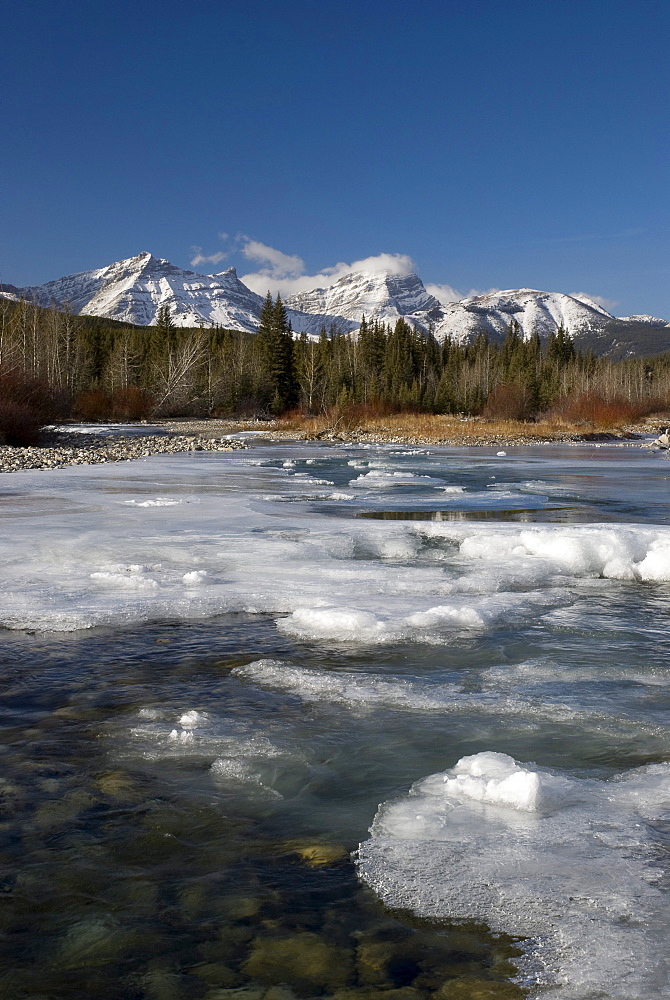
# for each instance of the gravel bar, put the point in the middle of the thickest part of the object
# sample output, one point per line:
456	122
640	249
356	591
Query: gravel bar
61	448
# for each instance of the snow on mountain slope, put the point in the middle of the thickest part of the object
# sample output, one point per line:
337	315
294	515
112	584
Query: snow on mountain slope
375	295
534	311
644	318
133	290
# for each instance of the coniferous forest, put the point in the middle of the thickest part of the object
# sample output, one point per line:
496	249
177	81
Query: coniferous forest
55	365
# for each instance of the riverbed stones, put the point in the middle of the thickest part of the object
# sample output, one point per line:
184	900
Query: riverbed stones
230	945
11	796
478	989
160	982
317	855
395	956
63	812
91	942
303	960
365	993
62	448
242	907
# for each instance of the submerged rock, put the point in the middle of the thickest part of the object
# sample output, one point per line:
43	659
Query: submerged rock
373	958
303	960
216	974
280	993
91	942
116	784
317	855
239	993
240	907
162	983
479	989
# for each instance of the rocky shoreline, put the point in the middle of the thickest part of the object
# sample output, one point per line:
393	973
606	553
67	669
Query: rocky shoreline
476	441
467	436
61	448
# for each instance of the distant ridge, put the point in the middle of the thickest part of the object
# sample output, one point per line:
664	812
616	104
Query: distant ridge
535	312
133	290
375	295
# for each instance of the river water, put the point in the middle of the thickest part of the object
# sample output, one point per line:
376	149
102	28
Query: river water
337	721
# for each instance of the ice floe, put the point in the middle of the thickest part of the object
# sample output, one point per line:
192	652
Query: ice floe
578	867
124	559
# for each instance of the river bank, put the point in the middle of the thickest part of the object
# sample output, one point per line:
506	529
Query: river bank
423	429
60	448
84	445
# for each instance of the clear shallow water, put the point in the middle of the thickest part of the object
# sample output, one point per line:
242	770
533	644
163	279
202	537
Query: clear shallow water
216	675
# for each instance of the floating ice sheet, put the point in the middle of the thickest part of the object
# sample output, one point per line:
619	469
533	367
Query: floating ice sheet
577	867
501	692
155	542
237	753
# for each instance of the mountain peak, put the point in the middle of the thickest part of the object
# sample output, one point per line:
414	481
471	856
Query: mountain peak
139	260
378	294
134	289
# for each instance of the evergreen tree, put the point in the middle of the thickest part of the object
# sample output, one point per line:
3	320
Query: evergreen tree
275	353
165	328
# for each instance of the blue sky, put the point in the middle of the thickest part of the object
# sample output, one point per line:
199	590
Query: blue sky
497	144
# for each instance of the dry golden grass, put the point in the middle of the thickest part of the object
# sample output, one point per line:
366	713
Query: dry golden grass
431	428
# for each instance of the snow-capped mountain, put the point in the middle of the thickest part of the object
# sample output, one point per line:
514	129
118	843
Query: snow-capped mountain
534	311
644	318
133	291
375	295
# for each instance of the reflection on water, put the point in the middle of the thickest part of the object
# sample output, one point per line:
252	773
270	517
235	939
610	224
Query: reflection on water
525	514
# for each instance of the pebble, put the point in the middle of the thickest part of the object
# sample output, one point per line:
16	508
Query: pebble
62	448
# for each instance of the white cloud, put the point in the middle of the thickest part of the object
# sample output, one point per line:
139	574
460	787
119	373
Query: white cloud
444	293
200	258
276	265
599	300
481	291
284	273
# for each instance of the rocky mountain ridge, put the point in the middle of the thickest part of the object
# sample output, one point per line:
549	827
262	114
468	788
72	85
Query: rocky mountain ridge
133	291
375	295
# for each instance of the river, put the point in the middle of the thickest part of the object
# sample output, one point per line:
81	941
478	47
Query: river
317	720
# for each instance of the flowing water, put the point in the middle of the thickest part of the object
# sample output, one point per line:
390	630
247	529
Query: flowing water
222	673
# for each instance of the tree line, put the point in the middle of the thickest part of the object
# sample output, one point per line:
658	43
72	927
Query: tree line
99	369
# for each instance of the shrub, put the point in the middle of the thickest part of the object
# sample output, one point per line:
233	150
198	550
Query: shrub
509	402
26	404
19	424
592	408
91	405
131	403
